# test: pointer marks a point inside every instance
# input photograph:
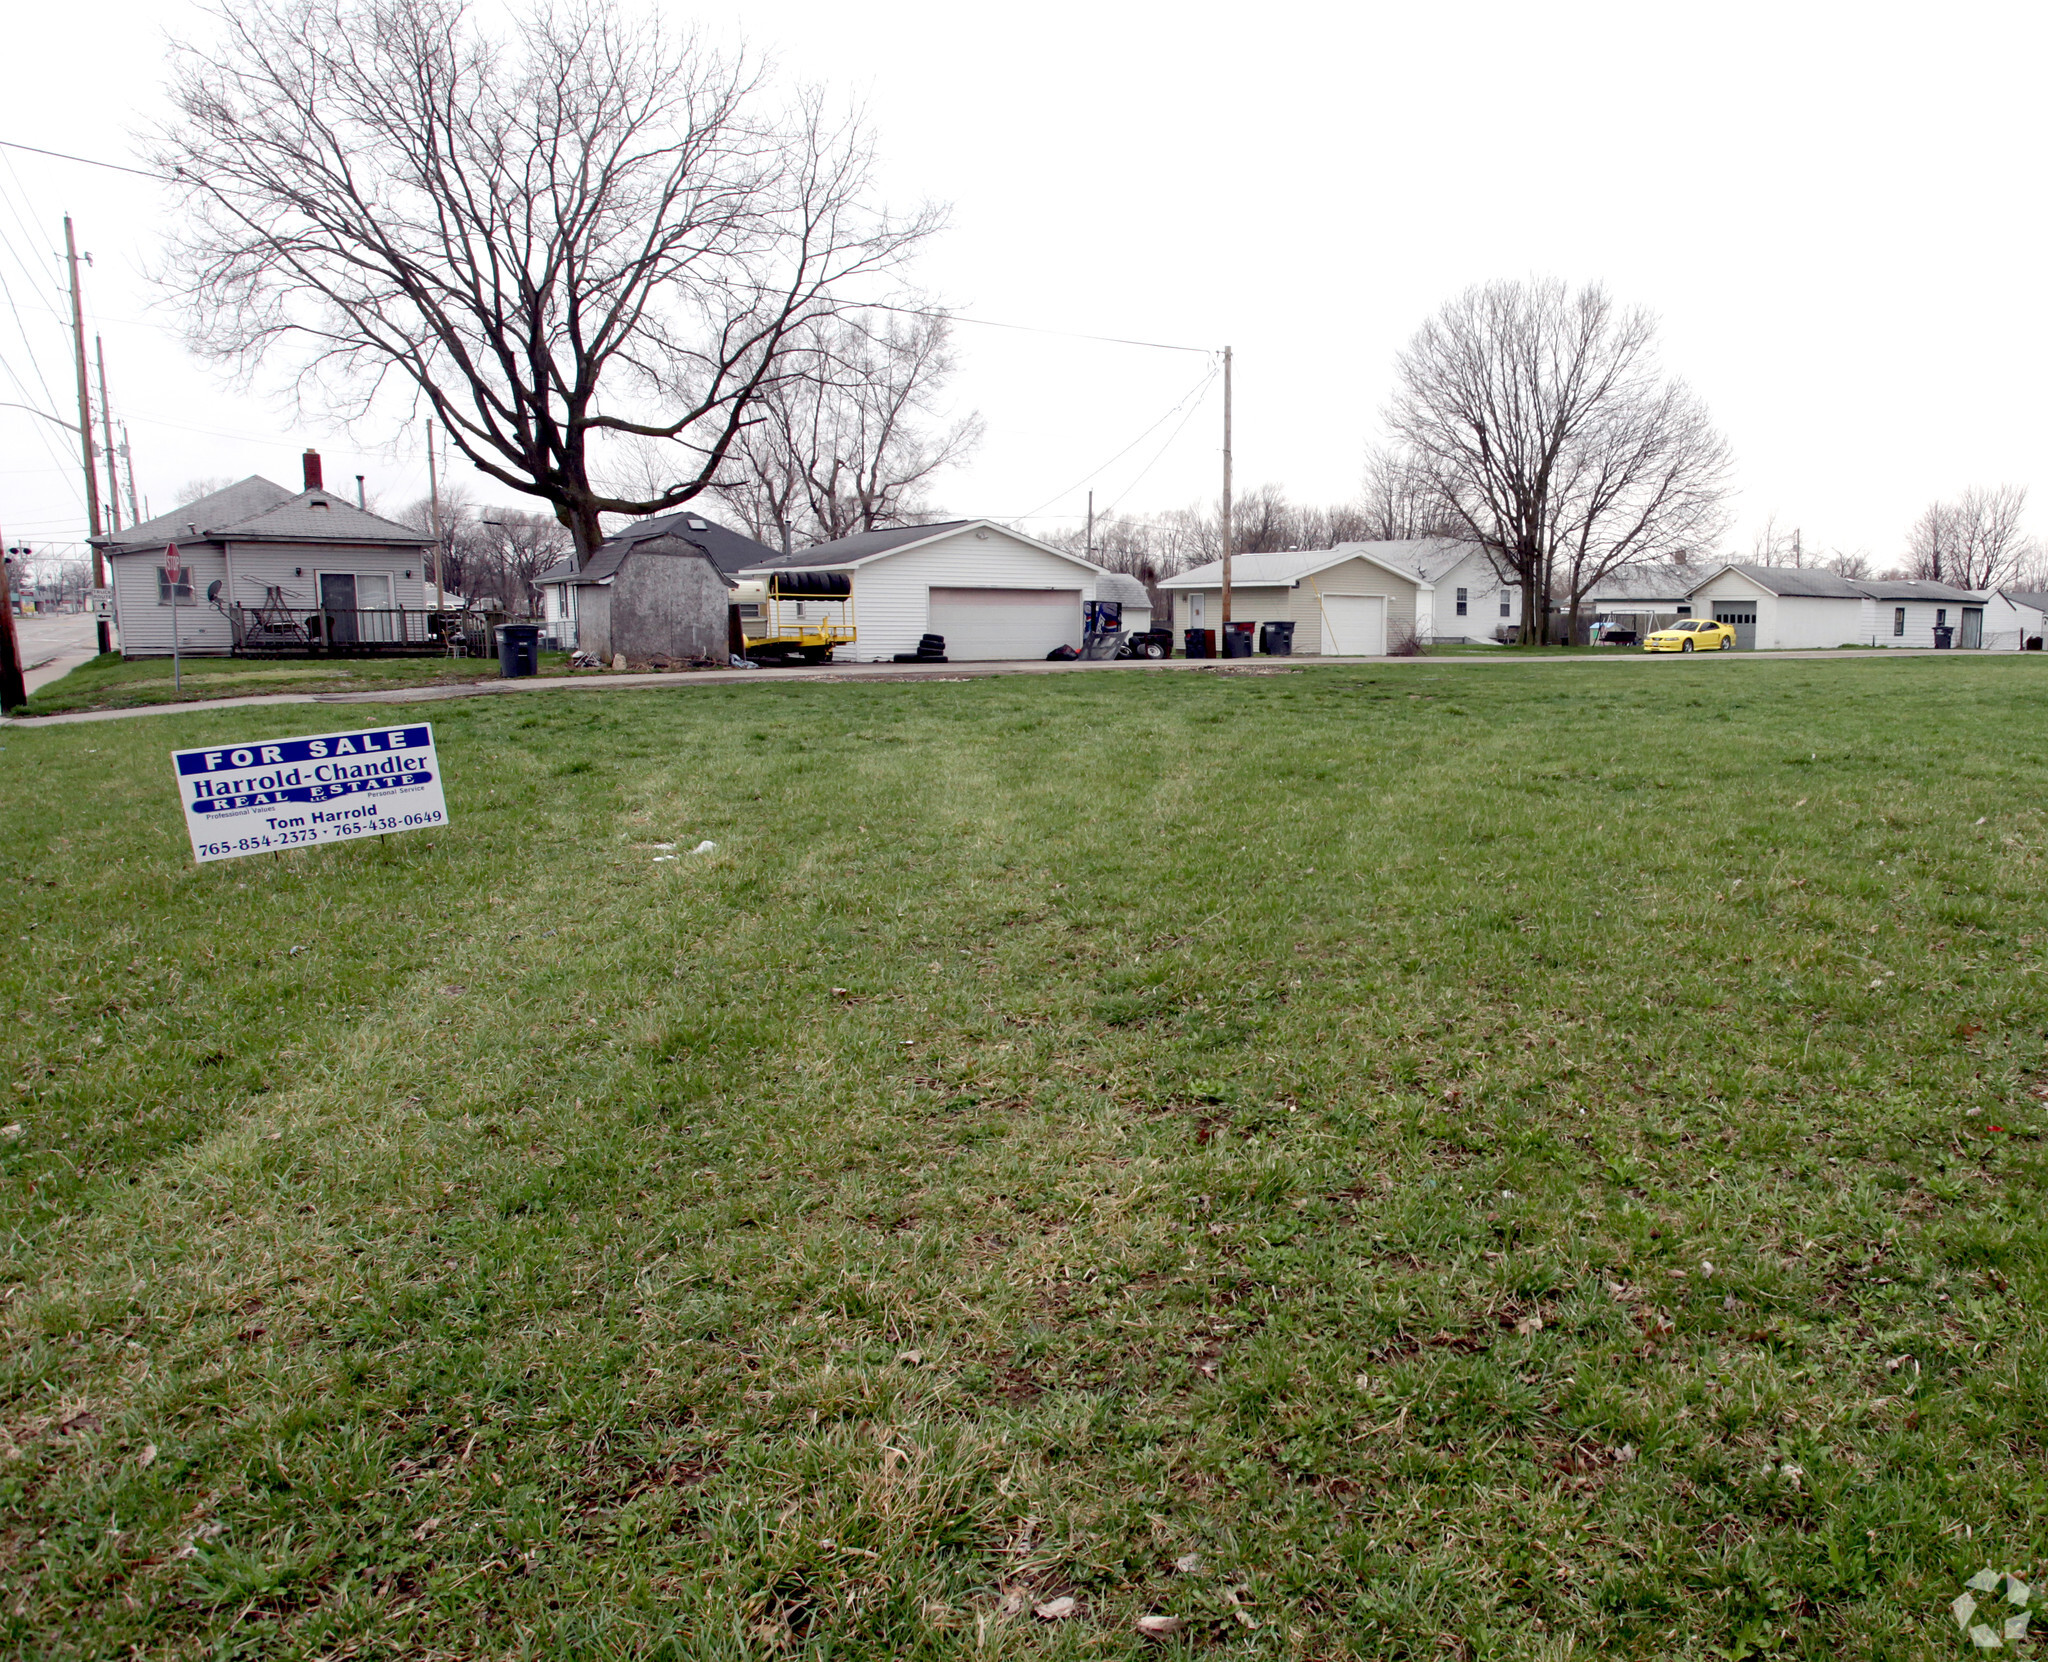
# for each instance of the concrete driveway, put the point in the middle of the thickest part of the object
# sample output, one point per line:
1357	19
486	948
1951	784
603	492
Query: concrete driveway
54	644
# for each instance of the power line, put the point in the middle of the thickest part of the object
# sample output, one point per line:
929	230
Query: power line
86	161
1035	329
1195	392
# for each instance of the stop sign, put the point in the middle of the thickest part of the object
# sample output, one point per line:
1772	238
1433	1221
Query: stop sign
173	572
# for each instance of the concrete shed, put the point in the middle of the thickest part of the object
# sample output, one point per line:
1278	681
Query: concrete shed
1354	600
992	592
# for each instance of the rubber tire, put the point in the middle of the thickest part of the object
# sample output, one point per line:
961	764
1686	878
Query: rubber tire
1155	649
1685	646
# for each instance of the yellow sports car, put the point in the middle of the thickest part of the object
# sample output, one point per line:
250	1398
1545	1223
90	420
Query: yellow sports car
1693	634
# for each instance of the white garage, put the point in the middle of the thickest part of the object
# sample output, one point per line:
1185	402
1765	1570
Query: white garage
1005	623
991	592
1350	601
1354	625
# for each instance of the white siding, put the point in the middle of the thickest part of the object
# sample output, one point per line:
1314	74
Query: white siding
1483	587
145	621
1813	622
892	594
245	572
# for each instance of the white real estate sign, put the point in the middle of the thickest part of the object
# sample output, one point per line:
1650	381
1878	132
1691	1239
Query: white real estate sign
325	788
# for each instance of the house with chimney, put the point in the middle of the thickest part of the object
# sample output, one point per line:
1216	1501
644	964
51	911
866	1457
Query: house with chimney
262	570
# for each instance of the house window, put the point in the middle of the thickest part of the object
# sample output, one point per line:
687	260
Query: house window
1898	620
1685	611
1506	604
1461	603
163	586
1941	617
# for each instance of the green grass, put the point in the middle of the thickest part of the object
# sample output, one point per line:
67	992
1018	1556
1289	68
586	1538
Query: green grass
110	682
1273	1123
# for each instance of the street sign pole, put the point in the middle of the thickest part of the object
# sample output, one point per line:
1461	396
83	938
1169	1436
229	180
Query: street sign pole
173	573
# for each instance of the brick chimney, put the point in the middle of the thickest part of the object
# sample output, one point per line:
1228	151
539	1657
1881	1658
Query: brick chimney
312	460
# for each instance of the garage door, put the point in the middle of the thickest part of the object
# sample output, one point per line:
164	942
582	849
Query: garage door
1741	615
1354	625
1005	623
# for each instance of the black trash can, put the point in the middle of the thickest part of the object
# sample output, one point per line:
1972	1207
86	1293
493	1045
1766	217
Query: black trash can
1237	640
1944	637
1276	640
518	649
1199	642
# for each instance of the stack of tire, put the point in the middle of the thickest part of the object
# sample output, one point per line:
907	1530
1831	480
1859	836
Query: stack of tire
931	649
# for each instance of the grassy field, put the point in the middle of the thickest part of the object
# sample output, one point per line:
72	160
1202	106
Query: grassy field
109	682
1422	1162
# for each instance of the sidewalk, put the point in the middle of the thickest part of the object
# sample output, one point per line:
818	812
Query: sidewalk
605	681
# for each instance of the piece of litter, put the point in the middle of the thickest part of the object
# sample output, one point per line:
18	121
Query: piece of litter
705	848
661	845
661	857
1188	1563
1160	1627
1056	1610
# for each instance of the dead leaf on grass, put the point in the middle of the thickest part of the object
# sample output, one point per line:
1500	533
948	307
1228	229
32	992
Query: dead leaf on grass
1056	1610
1528	1325
78	1424
1160	1627
147	1457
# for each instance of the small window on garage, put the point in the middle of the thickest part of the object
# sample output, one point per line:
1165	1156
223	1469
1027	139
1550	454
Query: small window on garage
1941	617
1461	603
1898	620
1685	611
1506	604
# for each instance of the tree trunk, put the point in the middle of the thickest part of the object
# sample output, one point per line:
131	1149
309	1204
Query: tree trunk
581	518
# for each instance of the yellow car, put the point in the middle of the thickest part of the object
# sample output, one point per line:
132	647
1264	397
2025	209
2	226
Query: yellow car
1693	634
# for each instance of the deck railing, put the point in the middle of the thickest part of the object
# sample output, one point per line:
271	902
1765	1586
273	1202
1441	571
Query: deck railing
327	631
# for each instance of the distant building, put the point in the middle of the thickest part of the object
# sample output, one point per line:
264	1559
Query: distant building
658	589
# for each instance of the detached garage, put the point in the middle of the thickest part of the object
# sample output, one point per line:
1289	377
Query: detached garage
1356	600
992	592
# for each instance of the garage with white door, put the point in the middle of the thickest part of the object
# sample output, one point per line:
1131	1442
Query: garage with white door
979	624
1354	625
988	591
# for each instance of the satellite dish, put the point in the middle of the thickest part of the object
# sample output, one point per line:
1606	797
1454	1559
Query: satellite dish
213	592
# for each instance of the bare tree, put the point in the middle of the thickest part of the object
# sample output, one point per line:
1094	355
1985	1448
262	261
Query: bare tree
1850	563
848	436
1398	504
592	228
523	547
1547	433
1975	542
1772	545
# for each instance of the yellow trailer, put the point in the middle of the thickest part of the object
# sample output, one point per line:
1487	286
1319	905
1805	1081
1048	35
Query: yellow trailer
794	616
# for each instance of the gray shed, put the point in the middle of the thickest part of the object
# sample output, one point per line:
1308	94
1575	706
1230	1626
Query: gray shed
652	597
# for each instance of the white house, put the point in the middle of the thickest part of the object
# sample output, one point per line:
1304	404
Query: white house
1354	600
2029	617
1472	602
294	570
1784	608
991	592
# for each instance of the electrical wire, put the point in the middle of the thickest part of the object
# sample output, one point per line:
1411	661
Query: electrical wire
85	161
1195	392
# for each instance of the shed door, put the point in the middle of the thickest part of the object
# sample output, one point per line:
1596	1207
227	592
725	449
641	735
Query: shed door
1971	635
1005	623
1742	614
1354	625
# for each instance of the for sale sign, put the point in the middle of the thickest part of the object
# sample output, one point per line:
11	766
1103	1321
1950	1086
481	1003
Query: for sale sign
329	788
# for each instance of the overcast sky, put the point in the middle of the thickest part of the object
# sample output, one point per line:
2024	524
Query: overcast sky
1832	208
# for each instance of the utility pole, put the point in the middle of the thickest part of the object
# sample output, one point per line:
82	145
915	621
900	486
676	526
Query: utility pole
128	456
1223	643
92	472
1090	549
13	693
99	351
434	503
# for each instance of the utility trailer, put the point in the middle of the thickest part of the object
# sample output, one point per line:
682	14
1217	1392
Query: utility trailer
793	617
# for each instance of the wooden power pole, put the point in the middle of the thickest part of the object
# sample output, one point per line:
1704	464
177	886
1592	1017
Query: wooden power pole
99	351
92	472
13	694
1223	643
434	506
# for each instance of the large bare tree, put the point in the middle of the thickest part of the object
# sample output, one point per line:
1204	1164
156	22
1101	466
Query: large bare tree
1547	433
1974	542
848	437
587	228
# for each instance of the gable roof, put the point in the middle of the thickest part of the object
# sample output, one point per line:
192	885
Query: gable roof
1285	568
1789	582
1125	590
1426	557
873	545
613	553
728	550
1908	588
2028	597
256	510
1645	582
